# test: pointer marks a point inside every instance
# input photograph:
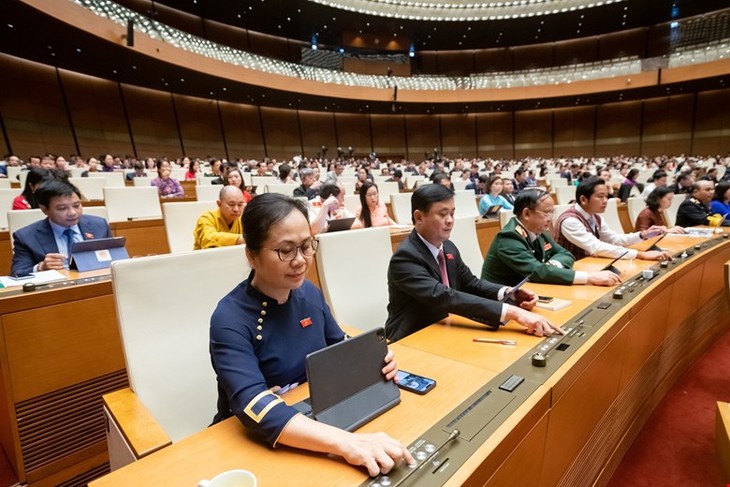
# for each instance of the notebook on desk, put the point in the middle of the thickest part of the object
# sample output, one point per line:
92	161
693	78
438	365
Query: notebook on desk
346	384
99	253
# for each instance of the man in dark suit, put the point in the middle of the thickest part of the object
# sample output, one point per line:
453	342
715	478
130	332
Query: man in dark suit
44	245
427	279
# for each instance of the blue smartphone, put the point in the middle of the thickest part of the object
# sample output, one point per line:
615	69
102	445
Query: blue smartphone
414	383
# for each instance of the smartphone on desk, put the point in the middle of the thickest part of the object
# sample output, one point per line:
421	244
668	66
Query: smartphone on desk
545	299
21	278
414	383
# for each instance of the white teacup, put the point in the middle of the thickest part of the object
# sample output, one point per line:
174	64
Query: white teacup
231	478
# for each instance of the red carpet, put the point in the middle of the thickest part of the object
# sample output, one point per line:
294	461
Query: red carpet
676	447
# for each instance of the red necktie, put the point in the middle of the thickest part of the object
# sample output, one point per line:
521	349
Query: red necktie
442	268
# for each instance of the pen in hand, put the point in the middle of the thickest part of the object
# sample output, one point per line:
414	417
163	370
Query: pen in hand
495	340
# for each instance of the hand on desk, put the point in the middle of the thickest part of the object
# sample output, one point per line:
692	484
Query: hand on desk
533	322
655	255
377	452
525	298
52	261
603	278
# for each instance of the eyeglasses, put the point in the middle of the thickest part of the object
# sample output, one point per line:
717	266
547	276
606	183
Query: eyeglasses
307	248
548	214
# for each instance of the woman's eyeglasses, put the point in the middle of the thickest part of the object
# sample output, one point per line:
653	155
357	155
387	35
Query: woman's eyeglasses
307	248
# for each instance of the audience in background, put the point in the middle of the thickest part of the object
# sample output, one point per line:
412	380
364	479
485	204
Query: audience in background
234	177
696	208
221	227
327	206
494	196
721	199
26	200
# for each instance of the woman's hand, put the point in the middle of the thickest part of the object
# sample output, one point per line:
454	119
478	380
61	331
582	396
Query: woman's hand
377	452
391	368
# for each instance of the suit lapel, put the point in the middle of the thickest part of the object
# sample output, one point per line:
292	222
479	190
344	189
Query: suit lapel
427	255
46	239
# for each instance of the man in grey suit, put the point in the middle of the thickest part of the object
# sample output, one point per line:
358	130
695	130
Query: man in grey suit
44	245
427	279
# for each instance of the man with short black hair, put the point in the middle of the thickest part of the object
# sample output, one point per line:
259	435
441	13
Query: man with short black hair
525	248
583	232
327	206
520	181
427	279
45	244
397	177
684	183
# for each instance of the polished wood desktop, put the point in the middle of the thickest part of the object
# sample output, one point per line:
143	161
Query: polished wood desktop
573	430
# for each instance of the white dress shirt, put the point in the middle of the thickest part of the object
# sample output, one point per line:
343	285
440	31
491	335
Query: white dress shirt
610	245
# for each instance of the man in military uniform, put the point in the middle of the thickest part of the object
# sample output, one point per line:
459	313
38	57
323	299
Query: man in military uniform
695	209
524	248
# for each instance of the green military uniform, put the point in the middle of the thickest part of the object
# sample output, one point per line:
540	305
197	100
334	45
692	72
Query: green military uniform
512	257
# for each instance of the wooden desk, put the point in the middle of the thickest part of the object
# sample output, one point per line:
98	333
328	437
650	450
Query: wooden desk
573	430
144	237
60	351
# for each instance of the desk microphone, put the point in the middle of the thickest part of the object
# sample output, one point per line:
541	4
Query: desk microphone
30	286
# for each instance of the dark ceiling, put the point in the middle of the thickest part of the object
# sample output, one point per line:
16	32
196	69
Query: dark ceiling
31	34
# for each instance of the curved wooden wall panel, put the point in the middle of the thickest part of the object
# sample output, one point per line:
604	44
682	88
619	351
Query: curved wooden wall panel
495	134
459	135
423	134
574	131
33	110
97	113
200	126
318	129
281	129
242	129
534	133
389	136
667	127
354	131
154	125
712	122
618	128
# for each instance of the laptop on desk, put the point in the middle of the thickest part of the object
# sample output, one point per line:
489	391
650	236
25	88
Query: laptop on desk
346	384
99	253
492	211
340	224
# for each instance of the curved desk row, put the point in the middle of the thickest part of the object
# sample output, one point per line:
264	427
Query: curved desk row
568	423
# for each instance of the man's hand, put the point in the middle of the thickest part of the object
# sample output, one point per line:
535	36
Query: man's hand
525	298
533	322
655	255
603	278
52	262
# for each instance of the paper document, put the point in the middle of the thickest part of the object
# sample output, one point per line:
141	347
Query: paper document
43	277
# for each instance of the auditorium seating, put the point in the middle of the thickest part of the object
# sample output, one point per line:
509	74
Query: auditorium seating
166	342
114	179
610	216
670	214
634	206
6	203
126	204
207	192
565	194
466	203
353	273
92	189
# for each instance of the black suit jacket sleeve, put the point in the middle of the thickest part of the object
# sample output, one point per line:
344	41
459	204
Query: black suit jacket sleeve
418	298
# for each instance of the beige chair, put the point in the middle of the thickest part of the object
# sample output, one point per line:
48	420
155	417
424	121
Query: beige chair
411	179
460	184
401	205
22	176
464	235
353	273
91	188
635	206
565	194
180	219
172	383
18	219
504	217
202	180
142	182
5	183
125	204
610	216
286	189
386	189
670	214
114	179
207	192
14	173
261	181
466	203
352	203
6	204
559	210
